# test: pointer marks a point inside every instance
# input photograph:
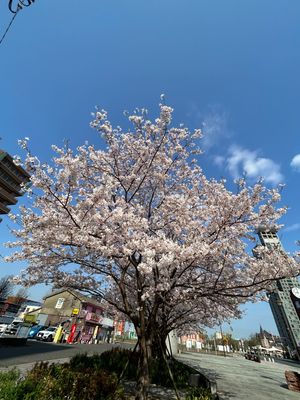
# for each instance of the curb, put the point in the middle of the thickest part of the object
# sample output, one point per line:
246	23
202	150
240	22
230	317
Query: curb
201	379
23	368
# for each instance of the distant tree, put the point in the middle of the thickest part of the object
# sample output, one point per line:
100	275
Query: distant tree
229	340
139	224
6	287
21	295
252	341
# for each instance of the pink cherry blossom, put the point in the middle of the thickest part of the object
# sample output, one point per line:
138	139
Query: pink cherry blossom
140	225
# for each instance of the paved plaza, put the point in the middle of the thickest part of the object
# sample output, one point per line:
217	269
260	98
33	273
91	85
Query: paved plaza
242	379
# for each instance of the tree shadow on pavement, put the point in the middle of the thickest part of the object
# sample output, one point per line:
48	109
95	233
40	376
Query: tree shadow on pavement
222	395
35	351
29	352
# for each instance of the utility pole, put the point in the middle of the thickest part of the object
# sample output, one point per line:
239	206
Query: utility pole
222	340
215	344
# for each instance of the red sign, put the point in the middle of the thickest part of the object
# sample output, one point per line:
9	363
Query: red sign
72	333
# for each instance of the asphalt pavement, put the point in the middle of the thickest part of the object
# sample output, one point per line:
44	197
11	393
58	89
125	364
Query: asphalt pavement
35	351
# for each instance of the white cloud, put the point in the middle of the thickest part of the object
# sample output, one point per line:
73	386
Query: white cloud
293	227
214	128
219	160
245	162
214	124
295	163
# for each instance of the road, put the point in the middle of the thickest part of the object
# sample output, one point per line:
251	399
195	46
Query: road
36	351
242	379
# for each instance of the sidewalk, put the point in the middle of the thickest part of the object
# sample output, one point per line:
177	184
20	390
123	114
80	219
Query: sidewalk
242	379
23	368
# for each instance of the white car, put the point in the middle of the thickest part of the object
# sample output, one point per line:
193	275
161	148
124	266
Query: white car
12	328
47	334
2	328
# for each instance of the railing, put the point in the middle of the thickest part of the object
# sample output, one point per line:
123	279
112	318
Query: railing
183	348
96	318
93	317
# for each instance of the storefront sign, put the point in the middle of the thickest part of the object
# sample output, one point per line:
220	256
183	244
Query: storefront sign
75	311
30	318
59	302
107	322
72	333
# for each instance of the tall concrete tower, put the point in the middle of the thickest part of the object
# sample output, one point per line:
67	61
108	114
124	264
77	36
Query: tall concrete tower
284	300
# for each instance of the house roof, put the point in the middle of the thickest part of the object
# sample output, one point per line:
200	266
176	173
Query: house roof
83	298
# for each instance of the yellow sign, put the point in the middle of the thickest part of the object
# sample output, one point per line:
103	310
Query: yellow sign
58	334
29	318
95	332
75	311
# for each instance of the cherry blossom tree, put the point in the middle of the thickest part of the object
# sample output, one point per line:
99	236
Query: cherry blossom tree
140	224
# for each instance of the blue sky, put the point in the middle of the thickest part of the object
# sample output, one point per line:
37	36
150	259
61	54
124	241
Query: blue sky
231	67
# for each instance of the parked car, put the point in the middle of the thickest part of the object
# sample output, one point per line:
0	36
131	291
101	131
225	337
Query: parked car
12	328
2	328
34	330
47	334
253	357
6	320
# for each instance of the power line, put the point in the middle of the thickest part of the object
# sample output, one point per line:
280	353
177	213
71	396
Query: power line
9	25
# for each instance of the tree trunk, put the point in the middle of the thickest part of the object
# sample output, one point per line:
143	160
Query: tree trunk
143	370
158	347
152	344
143	367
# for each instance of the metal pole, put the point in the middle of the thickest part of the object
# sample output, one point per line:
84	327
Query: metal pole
215	344
222	340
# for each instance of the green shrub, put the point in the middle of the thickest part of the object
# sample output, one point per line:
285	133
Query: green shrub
114	361
198	393
8	384
59	381
159	373
62	381
92	378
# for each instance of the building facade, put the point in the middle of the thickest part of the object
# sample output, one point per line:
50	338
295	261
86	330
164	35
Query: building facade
82	314
284	300
14	307
12	177
28	306
11	305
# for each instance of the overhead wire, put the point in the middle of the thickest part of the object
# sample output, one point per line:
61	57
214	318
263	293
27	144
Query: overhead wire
9	25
